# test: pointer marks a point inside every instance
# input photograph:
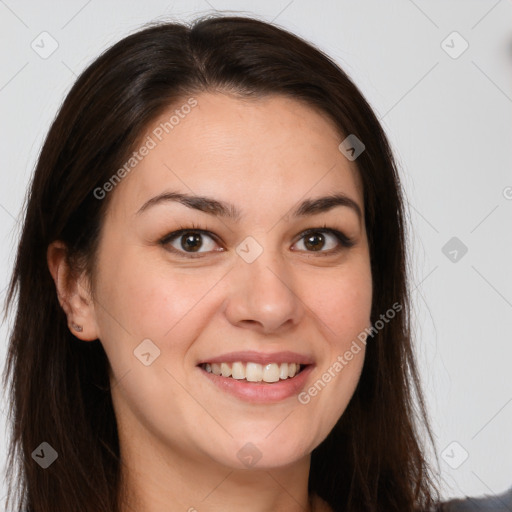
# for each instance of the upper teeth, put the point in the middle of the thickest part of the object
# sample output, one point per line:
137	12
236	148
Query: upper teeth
254	372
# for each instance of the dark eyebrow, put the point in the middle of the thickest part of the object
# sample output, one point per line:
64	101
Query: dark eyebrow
229	211
202	203
324	204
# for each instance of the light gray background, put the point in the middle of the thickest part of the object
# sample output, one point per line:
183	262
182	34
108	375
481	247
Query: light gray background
449	120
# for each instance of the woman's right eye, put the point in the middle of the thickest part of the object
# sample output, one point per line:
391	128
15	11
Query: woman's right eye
189	242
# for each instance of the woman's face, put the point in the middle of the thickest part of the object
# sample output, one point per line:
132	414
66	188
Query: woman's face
250	288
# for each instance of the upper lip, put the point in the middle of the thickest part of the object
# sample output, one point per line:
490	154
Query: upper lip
260	358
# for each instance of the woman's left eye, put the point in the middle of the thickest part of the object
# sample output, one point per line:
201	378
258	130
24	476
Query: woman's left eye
315	240
190	242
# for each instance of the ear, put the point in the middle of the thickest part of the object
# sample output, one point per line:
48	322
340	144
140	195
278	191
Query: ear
73	292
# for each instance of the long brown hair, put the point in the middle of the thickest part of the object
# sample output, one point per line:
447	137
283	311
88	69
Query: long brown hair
374	458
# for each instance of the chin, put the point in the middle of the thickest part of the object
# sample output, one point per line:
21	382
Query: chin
253	452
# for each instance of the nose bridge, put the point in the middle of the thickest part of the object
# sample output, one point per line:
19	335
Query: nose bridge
262	291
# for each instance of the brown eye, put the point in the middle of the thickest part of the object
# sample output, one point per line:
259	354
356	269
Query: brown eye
314	242
187	242
326	241
192	241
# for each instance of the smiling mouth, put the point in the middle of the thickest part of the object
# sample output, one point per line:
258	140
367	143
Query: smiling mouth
255	372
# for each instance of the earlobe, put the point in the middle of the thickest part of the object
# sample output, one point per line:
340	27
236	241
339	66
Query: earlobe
74	297
77	328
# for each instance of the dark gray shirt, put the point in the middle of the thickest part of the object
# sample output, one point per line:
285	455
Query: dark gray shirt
498	503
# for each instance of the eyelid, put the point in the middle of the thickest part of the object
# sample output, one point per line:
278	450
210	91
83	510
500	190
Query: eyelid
182	231
344	241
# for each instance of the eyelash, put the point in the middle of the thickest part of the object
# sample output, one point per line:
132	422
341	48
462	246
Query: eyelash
345	242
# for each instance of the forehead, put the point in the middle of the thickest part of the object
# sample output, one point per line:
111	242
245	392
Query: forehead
269	150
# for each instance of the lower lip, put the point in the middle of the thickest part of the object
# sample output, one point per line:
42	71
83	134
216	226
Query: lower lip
261	393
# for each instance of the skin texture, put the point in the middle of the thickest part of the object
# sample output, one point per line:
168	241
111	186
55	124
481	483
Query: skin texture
179	433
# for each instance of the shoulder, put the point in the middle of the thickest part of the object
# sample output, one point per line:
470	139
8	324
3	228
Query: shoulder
498	503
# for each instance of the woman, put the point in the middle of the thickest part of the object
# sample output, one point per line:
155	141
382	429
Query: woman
212	292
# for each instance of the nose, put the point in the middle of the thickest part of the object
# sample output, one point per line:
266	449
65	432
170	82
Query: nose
262	297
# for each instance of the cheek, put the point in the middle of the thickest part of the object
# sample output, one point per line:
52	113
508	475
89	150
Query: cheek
342	306
342	302
147	300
